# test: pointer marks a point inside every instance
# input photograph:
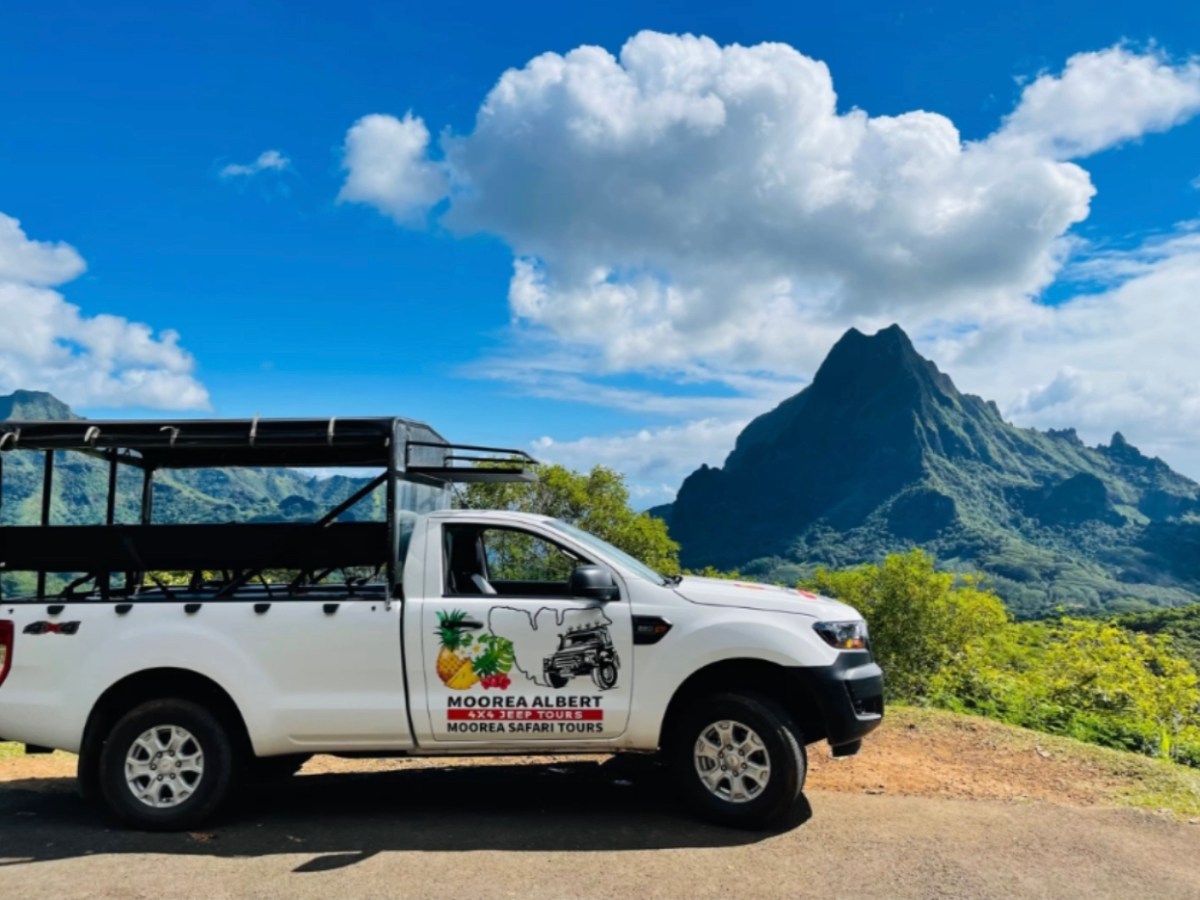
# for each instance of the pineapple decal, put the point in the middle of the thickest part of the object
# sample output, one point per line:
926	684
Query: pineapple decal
468	657
453	665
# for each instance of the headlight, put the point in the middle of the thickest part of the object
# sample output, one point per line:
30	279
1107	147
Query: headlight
843	635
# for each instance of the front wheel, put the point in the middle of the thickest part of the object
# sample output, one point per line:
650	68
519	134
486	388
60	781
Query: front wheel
167	765
738	760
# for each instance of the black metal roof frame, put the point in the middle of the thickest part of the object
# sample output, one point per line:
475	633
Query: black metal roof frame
296	443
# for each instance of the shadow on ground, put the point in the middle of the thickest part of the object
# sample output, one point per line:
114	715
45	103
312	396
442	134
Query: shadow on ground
346	818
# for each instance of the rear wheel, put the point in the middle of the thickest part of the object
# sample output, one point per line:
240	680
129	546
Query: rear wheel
167	765
738	760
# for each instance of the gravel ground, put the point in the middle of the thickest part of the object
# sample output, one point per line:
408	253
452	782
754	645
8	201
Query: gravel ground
585	829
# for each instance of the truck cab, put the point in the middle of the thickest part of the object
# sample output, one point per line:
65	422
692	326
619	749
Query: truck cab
436	631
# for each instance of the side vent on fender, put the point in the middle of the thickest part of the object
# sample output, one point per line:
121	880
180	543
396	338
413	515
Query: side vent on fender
649	629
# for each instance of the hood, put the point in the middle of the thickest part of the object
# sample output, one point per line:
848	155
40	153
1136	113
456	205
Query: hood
764	597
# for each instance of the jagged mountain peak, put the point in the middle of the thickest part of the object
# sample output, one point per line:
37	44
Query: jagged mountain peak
876	388
29	405
892	339
1120	450
882	451
878	376
872	360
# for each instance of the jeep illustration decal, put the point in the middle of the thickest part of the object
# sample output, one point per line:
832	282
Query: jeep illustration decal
583	650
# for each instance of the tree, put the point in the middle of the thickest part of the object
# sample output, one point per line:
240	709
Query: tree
920	619
597	502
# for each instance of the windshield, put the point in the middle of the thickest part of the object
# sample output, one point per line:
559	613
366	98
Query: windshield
637	568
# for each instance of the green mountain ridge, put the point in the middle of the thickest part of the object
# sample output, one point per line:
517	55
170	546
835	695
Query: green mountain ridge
30	405
882	452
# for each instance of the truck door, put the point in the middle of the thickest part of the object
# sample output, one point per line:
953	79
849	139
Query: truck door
510	656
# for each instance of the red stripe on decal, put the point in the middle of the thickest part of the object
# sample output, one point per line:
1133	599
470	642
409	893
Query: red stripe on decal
525	715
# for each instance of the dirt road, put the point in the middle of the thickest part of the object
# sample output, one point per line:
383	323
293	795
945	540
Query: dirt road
585	829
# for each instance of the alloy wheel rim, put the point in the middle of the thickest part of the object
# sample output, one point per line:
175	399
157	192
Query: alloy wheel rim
732	761
164	766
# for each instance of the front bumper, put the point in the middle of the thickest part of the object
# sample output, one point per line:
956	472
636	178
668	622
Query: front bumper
850	695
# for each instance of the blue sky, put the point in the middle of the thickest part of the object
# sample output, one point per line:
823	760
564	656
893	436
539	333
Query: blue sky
454	277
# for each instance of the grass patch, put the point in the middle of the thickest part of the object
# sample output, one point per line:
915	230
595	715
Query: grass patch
1122	778
16	750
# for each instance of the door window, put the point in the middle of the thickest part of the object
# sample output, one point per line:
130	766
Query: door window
506	560
521	556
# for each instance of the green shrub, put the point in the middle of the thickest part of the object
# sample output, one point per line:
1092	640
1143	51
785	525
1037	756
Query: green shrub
920	619
1087	679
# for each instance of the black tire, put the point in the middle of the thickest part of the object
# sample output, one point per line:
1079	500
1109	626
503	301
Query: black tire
605	675
87	778
556	680
209	740
782	746
274	769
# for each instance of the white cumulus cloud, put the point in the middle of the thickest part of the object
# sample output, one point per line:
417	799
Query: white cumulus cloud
34	262
386	166
268	161
49	344
656	460
1102	99
712	203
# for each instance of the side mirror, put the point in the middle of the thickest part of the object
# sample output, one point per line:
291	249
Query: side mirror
594	583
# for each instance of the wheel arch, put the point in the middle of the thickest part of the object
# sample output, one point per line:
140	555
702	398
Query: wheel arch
782	684
153	684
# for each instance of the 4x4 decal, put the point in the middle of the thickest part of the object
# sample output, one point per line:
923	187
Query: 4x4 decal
51	628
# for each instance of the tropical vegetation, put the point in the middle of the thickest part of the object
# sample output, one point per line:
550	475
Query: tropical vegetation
945	640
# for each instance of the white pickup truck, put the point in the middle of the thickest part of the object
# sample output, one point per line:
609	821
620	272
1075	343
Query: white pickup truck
482	632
